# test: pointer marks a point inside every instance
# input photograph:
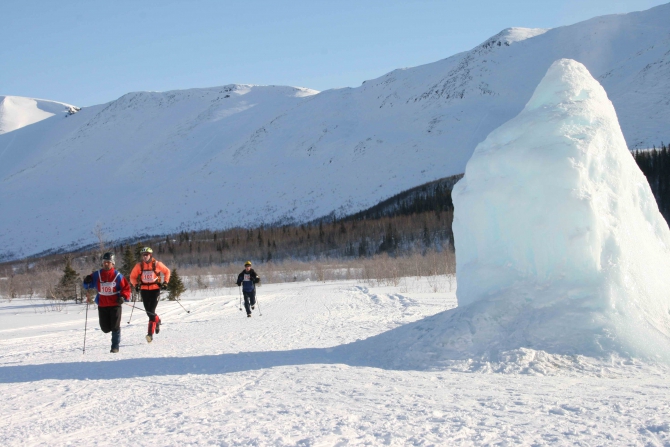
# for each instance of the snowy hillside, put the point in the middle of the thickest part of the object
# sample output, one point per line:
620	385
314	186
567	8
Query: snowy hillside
245	155
323	366
17	112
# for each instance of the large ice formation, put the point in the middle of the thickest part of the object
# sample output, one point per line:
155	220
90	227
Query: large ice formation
560	245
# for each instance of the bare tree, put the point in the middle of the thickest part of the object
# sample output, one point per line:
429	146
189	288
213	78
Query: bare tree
100	236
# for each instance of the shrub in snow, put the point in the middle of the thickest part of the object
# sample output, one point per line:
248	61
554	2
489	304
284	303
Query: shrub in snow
175	286
66	289
560	245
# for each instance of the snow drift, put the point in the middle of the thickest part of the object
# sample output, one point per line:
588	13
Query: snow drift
560	245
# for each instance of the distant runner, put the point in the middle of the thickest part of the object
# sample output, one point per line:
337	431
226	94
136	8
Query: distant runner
146	278
248	279
113	290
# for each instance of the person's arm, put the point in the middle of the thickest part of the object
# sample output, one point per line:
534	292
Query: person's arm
90	281
161	268
239	279
95	279
135	272
124	289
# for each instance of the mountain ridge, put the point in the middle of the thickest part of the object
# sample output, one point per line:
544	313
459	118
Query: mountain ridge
194	159
18	111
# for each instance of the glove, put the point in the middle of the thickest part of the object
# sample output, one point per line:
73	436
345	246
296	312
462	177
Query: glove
88	279
120	300
164	286
257	280
137	288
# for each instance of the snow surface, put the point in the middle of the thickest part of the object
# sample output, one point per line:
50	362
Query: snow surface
322	367
560	244
17	112
304	155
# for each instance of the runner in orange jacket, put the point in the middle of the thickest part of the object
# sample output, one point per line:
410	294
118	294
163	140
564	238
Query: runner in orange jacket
146	278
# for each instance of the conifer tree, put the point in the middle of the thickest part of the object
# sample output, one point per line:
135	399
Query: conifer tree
138	249
175	286
67	286
128	262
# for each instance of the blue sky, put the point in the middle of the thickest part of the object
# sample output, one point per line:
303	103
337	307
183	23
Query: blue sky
91	52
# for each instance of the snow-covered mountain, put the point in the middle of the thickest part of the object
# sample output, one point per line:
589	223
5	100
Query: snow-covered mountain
17	111
245	155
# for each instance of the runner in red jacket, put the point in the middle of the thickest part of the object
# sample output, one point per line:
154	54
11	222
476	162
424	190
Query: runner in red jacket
113	291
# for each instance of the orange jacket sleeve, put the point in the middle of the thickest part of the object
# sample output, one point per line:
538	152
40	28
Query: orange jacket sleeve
134	274
160	268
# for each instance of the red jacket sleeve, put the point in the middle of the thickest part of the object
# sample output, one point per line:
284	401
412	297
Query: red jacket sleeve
125	288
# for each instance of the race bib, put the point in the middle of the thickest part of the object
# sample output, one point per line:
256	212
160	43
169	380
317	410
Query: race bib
148	276
247	277
107	288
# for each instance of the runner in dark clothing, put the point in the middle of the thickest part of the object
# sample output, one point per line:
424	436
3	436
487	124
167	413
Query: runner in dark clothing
248	280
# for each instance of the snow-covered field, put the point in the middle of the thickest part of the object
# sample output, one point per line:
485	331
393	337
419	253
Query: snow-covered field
298	375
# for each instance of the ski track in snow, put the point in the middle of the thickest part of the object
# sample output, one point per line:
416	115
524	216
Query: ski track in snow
215	377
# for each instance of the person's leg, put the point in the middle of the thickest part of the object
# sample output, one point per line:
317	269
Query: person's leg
247	304
115	320
146	302
103	317
252	298
150	301
110	321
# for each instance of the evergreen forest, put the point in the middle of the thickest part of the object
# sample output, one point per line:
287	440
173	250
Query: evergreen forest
655	164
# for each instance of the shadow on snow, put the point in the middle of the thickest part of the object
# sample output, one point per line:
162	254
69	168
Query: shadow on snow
381	351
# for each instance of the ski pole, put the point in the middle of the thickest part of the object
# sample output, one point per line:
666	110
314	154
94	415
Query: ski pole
240	289
151	313
187	311
131	312
258	303
85	323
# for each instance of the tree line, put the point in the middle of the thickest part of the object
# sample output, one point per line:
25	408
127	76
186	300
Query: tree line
415	221
655	164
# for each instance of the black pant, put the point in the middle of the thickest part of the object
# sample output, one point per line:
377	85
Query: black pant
110	321
110	318
249	300
150	301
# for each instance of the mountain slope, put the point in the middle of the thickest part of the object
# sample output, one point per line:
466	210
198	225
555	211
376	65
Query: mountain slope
245	155
17	112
